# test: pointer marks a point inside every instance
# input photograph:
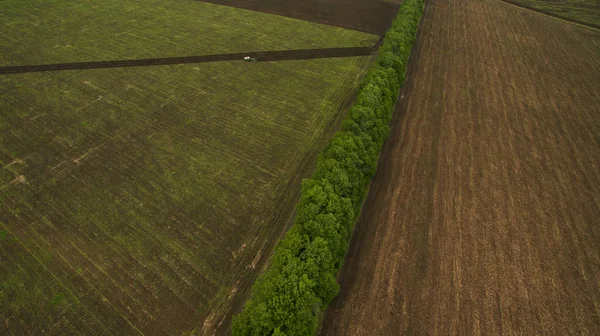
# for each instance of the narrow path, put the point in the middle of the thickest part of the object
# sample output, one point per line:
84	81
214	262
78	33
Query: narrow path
263	56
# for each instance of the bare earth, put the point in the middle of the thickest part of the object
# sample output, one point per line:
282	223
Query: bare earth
484	216
369	16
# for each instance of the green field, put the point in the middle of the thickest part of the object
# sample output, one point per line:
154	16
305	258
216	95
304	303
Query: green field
582	11
40	32
144	199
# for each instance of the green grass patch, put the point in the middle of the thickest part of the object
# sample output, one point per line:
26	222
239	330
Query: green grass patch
32	300
41	32
137	188
582	11
136	198
57	299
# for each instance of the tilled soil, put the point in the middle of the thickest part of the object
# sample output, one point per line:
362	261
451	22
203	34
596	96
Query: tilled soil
484	215
369	16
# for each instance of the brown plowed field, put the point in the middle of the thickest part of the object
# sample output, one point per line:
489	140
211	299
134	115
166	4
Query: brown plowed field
369	16
484	216
262	56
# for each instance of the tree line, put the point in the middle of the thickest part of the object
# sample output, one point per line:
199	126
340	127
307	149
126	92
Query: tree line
289	298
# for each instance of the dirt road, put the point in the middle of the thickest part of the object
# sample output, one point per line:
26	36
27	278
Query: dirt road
484	216
260	56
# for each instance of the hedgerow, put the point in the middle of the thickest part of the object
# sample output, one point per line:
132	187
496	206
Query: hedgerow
290	296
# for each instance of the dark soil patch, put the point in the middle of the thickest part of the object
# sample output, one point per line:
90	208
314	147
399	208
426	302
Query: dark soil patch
263	56
372	17
558	15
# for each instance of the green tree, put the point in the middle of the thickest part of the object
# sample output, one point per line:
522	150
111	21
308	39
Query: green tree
289	298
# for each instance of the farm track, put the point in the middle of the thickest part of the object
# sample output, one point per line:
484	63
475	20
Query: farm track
263	56
367	16
562	17
482	218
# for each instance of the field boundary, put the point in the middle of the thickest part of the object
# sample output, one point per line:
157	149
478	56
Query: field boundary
261	56
290	297
358	240
556	16
292	189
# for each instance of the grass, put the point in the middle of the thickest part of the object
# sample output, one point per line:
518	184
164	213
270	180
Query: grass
41	32
581	11
142	199
139	187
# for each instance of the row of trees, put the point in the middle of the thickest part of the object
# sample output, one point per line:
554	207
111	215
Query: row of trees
290	297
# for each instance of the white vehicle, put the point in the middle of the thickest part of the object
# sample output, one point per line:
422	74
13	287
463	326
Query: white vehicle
249	59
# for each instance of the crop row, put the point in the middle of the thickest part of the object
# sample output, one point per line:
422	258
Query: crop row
290	297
